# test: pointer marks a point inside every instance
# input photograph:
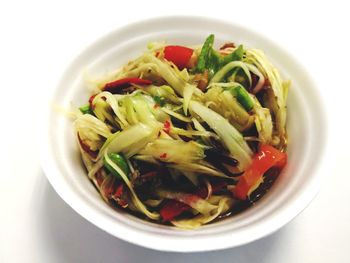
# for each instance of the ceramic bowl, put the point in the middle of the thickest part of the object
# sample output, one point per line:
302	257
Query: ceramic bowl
290	194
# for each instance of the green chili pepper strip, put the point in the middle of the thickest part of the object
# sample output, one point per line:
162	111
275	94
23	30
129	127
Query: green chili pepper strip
243	97
213	63
205	53
119	160
234	56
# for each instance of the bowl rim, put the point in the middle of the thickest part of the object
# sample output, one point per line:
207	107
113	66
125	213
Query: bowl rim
181	243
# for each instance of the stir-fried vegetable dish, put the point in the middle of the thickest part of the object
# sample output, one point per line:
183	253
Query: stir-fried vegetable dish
186	136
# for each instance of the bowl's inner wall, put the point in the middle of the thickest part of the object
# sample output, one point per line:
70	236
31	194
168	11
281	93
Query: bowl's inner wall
116	50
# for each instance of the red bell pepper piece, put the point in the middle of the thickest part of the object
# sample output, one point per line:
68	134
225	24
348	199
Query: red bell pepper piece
179	55
266	158
174	208
117	85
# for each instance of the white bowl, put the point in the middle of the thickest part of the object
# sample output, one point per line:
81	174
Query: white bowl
290	194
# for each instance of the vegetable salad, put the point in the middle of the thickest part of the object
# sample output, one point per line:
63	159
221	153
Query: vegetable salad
183	135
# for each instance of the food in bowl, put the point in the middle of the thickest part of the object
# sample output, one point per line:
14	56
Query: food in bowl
186	136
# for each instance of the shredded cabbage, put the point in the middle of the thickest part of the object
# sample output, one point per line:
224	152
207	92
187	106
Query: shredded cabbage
223	102
220	75
132	140
231	138
276	96
174	151
224	204
263	123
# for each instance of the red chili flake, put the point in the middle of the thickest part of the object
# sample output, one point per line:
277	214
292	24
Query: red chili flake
167	126
163	155
155	106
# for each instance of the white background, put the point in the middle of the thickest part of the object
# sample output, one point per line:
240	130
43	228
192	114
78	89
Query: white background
38	40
